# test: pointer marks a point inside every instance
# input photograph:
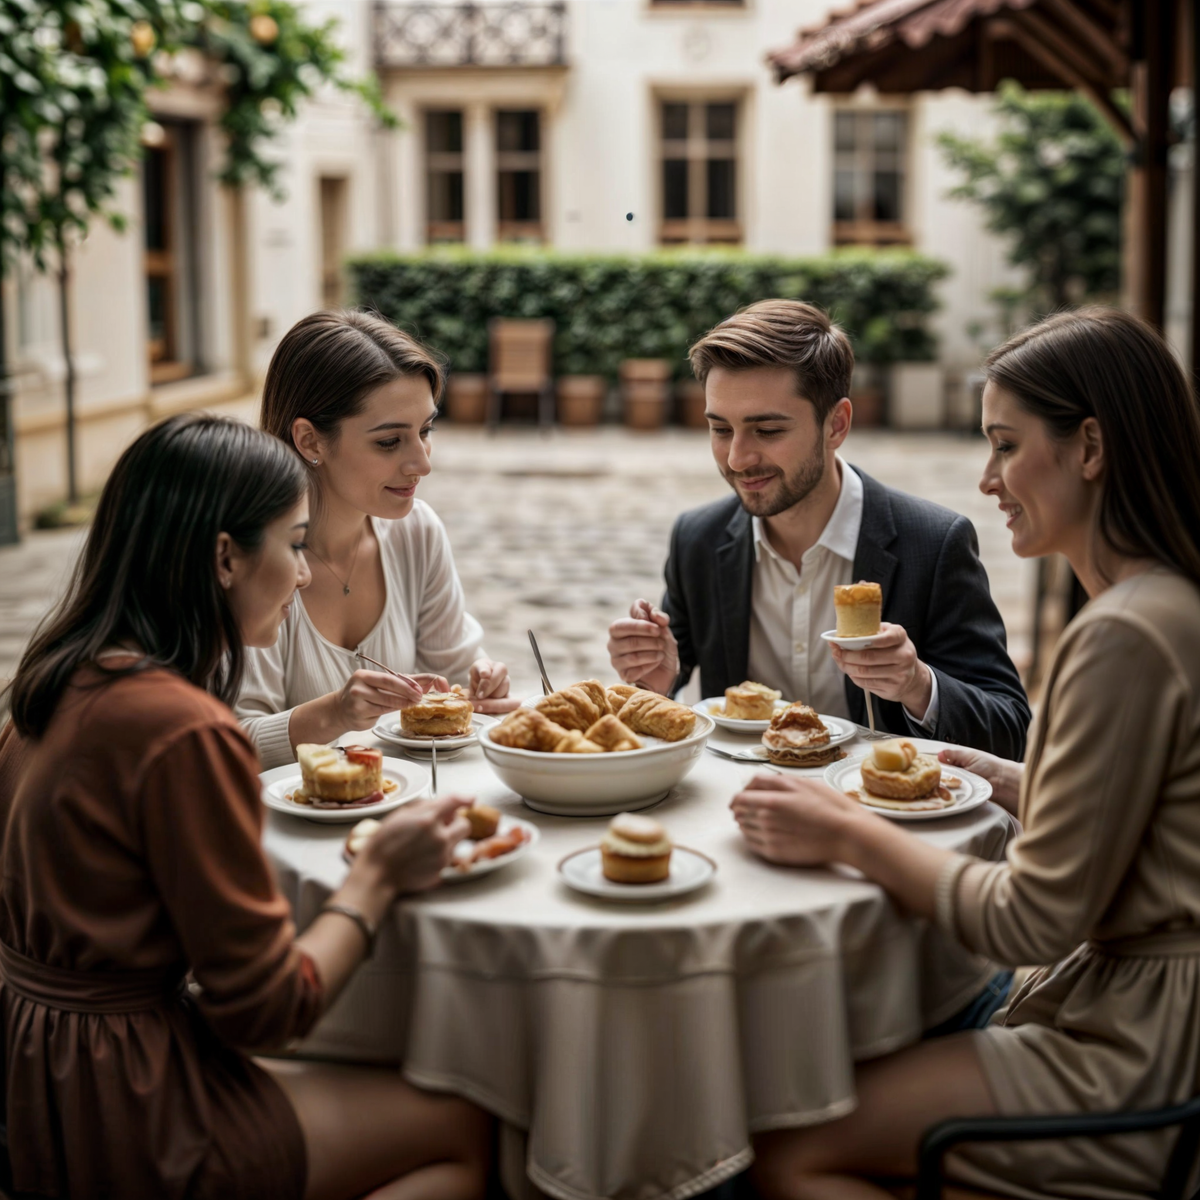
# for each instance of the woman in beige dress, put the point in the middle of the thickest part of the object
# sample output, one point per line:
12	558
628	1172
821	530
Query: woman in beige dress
145	950
1095	441
354	399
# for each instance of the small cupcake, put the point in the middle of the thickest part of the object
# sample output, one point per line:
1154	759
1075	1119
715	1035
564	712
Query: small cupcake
635	850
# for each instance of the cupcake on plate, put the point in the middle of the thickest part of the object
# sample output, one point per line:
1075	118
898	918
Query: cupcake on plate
635	850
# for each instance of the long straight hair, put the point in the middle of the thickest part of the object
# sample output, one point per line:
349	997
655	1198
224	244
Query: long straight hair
1104	363
147	577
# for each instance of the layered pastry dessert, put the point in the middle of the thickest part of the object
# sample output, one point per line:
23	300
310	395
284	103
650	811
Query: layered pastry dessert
618	693
751	701
859	608
655	716
797	737
337	776
611	734
574	707
528	729
635	850
439	714
896	775
574	742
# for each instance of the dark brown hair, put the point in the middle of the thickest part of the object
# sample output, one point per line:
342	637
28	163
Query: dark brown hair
1104	363
329	362
147	576
782	333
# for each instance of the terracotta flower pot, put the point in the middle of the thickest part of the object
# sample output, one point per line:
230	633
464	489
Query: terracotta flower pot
690	397
466	399
581	399
645	391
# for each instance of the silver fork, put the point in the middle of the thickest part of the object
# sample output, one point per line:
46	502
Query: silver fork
433	770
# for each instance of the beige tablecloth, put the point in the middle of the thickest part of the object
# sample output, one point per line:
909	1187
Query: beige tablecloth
639	1046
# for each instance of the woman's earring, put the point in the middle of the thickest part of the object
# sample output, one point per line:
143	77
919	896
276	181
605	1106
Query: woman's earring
316	462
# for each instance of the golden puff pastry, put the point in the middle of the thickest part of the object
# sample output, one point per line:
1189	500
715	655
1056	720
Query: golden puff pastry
618	693
751	701
570	707
596	692
612	735
896	771
655	716
574	742
528	729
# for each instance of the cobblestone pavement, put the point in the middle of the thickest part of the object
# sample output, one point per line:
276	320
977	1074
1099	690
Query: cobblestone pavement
559	533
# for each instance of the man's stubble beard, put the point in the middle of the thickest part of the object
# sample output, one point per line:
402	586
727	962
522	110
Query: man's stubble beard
794	487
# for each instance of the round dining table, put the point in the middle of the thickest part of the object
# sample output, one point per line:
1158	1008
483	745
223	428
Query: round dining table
630	1050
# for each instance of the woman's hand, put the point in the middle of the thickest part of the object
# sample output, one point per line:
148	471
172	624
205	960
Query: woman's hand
794	822
368	695
488	690
1004	776
414	844
430	683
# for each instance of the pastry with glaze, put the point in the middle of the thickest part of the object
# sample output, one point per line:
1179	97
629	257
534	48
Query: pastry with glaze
859	608
438	714
635	849
337	775
797	737
896	775
751	701
653	715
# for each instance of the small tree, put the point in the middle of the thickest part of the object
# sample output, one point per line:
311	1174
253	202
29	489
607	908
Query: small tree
73	81
1052	185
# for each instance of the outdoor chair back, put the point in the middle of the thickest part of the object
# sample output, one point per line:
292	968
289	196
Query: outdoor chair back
520	360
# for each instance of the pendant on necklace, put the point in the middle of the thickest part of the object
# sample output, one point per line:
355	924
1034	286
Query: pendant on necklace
345	590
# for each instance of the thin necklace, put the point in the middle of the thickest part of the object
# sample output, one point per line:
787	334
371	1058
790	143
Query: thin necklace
353	562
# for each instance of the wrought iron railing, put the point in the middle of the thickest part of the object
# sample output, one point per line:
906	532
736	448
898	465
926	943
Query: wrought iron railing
510	33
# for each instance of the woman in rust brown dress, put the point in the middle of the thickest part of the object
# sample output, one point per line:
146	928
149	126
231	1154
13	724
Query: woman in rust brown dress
132	861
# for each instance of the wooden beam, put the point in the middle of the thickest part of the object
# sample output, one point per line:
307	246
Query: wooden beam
1002	27
1100	40
1158	39
1077	58
1194	18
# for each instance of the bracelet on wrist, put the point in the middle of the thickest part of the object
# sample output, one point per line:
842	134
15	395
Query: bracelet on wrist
367	927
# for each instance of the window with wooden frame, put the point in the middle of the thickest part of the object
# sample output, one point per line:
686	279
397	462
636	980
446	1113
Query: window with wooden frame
519	175
445	219
699	172
169	221
870	177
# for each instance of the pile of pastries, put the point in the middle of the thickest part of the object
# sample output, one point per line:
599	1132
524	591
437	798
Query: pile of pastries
797	737
588	718
897	775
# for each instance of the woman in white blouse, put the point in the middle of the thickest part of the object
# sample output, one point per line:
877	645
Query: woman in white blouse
356	398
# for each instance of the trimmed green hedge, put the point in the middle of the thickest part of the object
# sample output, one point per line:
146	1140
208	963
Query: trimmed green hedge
611	307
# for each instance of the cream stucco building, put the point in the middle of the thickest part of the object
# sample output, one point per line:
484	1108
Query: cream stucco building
597	125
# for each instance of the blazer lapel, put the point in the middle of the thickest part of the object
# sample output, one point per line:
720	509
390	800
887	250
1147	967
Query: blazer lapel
873	563
735	555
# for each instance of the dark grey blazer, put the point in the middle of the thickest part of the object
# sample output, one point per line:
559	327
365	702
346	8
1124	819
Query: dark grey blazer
926	559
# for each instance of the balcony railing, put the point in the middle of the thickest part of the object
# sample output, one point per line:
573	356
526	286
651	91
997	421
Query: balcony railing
507	34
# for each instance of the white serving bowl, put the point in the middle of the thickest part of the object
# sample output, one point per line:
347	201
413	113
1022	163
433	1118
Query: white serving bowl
596	785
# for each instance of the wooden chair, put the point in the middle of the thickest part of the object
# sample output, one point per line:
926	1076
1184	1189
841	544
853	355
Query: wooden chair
947	1134
520	356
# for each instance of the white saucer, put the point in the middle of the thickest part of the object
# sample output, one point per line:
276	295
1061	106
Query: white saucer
487	865
387	729
689	870
846	776
714	707
850	643
411	779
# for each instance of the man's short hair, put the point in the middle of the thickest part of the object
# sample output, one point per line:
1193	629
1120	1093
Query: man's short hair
782	333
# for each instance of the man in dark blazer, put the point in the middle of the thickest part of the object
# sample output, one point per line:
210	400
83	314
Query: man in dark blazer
750	578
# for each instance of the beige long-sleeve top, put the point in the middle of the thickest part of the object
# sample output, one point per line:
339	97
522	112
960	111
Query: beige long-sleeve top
1102	891
424	627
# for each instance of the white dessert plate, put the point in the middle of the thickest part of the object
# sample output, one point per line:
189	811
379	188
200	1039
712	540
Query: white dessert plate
485	866
971	793
277	784
714	707
689	870
849	643
387	729
741	750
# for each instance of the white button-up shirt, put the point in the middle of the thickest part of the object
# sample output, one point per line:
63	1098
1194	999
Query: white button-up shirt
790	609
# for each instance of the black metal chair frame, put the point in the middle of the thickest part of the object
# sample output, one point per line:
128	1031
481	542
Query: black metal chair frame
942	1137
